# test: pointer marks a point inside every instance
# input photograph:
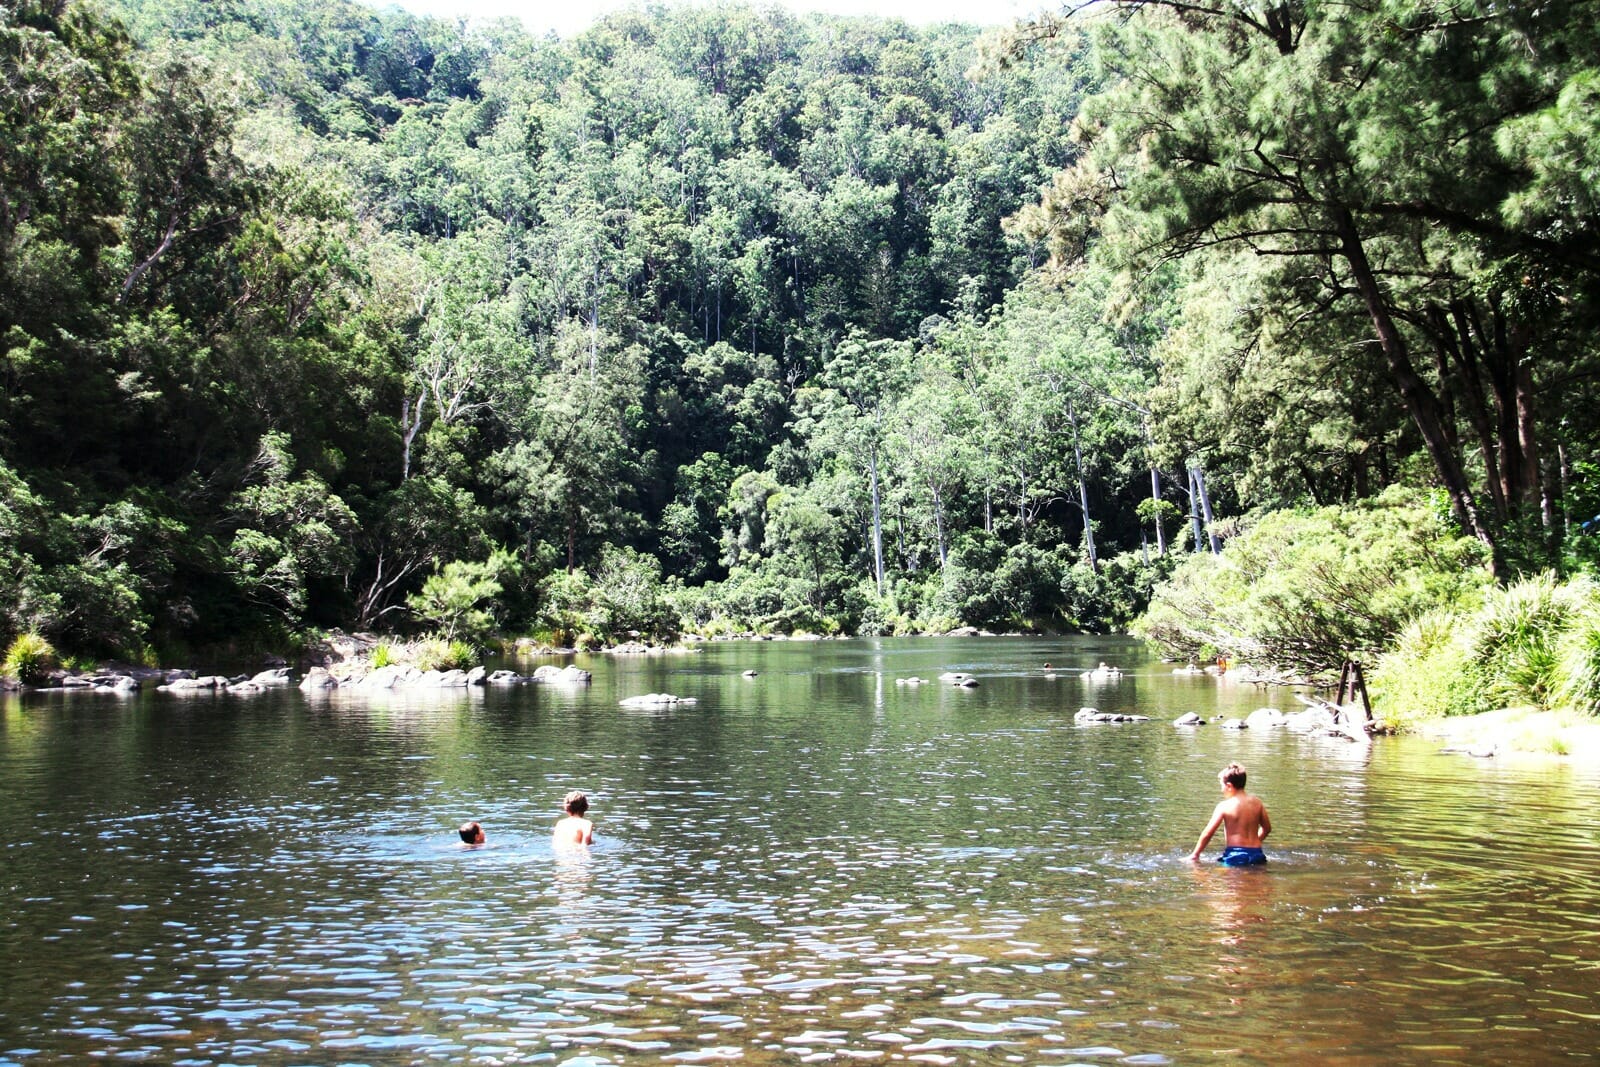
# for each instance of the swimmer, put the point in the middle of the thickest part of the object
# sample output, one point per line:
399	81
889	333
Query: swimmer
471	834
574	829
1245	818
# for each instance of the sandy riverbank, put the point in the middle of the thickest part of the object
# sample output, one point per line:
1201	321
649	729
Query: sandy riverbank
1515	732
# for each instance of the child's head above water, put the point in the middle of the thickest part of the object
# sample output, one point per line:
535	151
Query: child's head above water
576	803
1233	774
471	833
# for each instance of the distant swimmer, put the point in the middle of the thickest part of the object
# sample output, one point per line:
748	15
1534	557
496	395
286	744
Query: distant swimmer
574	829
1245	818
471	834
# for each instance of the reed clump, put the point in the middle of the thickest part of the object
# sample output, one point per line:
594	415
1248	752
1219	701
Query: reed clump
1532	644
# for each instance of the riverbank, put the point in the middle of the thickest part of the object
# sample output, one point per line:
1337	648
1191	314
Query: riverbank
1518	732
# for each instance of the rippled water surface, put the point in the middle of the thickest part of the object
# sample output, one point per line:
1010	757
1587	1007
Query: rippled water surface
811	865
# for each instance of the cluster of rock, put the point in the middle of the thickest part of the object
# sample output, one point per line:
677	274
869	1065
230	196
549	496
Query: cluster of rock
187	682
406	676
317	679
1095	715
1319	718
135	679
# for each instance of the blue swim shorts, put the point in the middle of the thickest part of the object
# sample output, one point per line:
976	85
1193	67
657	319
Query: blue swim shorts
1241	856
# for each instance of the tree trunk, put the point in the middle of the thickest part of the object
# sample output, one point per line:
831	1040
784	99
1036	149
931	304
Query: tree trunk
1527	440
572	539
1420	401
410	424
1155	497
1205	508
1194	513
1083	489
877	518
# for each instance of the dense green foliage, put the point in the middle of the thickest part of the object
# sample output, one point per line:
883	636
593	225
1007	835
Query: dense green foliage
304	303
1386	213
29	659
1533	644
1311	588
313	314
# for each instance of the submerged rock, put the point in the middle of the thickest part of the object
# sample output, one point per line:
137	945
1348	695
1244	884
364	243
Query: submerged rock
1264	717
207	684
1235	724
318	679
1093	715
656	700
272	676
1310	720
568	675
1188	719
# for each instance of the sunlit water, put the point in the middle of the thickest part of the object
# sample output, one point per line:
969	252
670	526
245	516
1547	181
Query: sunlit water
811	865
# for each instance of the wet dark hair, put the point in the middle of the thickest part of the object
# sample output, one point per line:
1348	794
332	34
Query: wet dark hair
576	803
1232	774
469	833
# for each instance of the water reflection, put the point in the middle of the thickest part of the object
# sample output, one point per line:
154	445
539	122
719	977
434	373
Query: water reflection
812	865
1234	901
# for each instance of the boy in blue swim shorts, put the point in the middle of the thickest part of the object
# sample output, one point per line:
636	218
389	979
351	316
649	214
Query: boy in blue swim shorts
1245	818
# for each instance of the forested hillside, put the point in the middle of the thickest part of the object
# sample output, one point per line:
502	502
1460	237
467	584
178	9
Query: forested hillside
317	315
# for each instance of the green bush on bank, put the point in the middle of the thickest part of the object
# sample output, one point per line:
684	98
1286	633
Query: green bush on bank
443	654
30	659
1533	644
1309	588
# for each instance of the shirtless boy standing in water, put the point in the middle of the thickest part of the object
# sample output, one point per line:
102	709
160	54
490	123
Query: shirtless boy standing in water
1245	818
574	829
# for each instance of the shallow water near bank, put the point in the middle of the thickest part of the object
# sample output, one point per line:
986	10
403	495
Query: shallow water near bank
811	865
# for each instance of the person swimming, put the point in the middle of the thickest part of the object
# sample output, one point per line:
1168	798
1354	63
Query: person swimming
574	829
471	834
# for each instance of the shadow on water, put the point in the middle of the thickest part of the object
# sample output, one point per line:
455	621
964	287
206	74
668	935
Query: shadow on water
812	864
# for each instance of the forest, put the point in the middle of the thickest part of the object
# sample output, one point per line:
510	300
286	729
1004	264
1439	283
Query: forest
726	320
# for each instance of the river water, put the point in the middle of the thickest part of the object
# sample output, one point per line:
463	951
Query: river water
811	865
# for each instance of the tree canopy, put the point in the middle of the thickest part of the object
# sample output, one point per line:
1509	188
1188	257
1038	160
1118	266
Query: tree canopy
314	314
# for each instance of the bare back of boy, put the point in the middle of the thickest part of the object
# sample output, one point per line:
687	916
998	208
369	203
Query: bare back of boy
573	831
1244	820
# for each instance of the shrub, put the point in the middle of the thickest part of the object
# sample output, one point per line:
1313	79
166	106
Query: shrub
1430	673
1308	589
1577	672
1115	595
452	598
1535	643
30	659
629	596
1515	637
440	654
382	656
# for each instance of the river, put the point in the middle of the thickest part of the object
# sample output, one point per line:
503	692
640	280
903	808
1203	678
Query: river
813	864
